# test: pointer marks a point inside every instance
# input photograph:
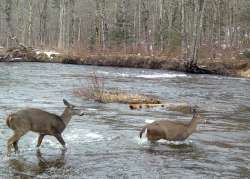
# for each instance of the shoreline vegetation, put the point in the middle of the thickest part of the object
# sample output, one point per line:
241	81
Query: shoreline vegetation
237	65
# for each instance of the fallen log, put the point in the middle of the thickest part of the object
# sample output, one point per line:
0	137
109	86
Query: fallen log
179	107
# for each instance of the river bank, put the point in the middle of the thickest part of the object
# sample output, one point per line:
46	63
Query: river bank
237	66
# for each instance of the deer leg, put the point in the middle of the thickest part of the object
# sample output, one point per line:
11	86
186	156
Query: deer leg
40	139
15	145
13	141
10	142
60	139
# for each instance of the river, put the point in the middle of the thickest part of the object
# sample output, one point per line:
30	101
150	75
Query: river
105	144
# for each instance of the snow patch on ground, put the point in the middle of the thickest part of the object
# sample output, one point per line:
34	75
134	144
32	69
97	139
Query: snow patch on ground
49	53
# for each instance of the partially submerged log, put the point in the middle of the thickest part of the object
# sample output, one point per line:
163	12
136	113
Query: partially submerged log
125	97
194	68
179	107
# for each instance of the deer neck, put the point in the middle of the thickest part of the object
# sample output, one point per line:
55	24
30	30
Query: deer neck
66	116
193	124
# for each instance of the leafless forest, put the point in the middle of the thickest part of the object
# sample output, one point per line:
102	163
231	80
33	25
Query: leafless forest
127	26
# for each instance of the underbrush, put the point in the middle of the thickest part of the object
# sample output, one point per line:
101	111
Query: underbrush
96	90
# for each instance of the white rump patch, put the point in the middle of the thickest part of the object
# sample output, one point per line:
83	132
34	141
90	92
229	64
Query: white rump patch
143	139
149	121
144	134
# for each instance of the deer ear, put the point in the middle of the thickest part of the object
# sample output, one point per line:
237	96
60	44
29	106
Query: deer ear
66	102
195	108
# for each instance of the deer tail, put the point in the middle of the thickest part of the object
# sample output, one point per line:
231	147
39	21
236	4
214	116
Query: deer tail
8	120
142	131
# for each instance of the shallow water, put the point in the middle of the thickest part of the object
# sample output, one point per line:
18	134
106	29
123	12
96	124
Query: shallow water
105	144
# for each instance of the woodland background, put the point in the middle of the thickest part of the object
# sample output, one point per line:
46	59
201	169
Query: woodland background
149	27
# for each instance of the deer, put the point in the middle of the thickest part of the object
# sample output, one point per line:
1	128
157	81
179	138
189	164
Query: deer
41	122
171	130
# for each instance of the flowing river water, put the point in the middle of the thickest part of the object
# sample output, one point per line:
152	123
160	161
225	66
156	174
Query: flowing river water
105	144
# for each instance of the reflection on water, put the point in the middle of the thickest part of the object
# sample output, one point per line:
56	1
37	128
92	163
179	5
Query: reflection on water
20	166
48	163
105	144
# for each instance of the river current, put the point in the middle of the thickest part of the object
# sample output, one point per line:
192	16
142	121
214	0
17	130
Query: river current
104	143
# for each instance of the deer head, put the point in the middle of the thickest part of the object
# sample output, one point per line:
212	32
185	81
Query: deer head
72	109
198	117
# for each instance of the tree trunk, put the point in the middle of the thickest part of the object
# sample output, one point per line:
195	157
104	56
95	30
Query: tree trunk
71	22
61	39
97	25
103	25
145	19
139	21
30	23
161	24
183	31
11	39
198	23
43	23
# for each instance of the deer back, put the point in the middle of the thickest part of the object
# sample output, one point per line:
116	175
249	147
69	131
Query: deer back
171	130
36	120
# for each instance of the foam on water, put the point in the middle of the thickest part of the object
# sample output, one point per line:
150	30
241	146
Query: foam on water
147	76
186	142
103	72
143	140
123	74
70	137
83	136
91	109
115	74
49	142
93	136
161	76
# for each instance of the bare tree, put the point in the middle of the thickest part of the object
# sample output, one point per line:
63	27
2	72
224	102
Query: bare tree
148	25
61	40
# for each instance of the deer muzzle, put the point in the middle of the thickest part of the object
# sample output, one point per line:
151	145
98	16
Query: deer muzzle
81	113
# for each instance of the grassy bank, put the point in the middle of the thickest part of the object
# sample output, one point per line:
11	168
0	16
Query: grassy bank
237	66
